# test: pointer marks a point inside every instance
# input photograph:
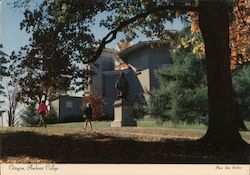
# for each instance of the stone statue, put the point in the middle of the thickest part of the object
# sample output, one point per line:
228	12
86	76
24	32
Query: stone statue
122	87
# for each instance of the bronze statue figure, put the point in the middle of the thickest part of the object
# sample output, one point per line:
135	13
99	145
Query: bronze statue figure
122	87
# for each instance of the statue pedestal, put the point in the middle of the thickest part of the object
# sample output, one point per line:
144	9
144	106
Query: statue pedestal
123	114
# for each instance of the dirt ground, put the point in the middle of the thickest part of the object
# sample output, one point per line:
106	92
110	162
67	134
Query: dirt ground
112	146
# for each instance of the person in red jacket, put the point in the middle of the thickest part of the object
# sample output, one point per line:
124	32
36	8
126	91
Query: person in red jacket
43	113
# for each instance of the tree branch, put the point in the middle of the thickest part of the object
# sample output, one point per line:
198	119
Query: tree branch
112	34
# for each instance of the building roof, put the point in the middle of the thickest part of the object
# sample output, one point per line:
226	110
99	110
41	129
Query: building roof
115	72
142	44
59	96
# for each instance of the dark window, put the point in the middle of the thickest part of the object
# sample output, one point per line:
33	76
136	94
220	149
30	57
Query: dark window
69	107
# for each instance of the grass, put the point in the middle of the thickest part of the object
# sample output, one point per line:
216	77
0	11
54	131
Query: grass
149	123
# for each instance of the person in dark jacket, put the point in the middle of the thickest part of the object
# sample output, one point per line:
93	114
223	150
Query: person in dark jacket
88	116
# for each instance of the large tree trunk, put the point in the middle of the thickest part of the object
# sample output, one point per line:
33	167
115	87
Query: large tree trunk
223	125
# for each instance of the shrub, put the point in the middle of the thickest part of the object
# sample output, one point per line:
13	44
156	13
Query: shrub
96	101
139	107
29	115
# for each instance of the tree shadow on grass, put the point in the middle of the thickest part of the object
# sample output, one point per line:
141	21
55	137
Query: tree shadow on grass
99	148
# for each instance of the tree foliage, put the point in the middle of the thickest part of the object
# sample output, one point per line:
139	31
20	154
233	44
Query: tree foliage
239	33
42	69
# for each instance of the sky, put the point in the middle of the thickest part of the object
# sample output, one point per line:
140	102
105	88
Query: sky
11	36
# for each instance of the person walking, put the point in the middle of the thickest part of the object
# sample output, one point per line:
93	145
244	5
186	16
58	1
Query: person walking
43	113
88	116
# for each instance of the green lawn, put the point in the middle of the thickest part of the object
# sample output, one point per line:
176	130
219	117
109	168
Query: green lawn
140	123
